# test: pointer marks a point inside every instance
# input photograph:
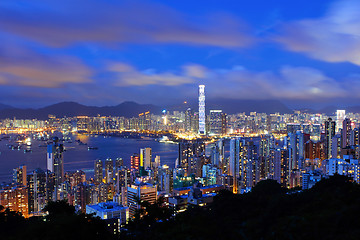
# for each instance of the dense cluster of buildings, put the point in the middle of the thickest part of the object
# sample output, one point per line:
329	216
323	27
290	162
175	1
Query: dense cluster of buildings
232	152
300	157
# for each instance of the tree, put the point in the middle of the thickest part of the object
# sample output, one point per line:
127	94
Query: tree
59	207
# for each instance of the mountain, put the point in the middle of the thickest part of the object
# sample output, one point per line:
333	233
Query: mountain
233	106
353	109
132	109
70	109
331	110
3	106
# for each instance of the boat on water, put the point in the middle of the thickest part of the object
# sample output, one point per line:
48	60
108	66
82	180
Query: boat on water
146	138
14	147
93	148
27	150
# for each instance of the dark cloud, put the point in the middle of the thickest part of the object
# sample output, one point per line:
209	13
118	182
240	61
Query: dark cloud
24	67
69	22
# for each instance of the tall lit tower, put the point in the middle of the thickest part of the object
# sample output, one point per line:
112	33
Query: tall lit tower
202	109
340	117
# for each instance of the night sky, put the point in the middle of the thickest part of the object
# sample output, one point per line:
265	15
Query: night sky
106	52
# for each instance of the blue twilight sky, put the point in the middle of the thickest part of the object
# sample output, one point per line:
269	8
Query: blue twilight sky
100	52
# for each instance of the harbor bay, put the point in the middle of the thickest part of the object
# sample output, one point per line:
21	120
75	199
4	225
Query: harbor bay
78	156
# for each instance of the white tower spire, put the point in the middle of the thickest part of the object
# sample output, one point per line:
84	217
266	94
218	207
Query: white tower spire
202	110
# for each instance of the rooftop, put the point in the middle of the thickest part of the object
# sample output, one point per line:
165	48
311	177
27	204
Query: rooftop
107	207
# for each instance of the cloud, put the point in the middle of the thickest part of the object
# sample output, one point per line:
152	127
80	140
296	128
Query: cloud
195	70
127	75
332	38
28	68
287	83
70	22
238	82
126	82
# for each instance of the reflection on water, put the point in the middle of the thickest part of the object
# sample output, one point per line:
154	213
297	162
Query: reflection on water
79	157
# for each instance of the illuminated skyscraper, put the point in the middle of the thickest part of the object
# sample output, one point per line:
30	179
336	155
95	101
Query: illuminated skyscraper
55	161
122	179
144	121
156	162
191	156
138	193
340	117
188	120
145	158
202	110
223	123
346	133
135	162
249	167
215	122
329	134
109	170
234	162
119	162
39	189
19	175
98	171
165	179
297	150
15	198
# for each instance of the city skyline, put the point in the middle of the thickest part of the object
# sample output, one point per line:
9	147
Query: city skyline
148	119
302	54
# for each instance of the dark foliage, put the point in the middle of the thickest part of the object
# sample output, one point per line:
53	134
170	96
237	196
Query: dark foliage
329	210
147	218
61	223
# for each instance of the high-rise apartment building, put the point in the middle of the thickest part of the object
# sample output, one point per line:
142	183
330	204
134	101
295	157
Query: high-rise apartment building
137	193
224	123
215	122
145	158
135	162
119	162
40	189
55	160
188	120
249	167
122	181
165	179
19	175
297	150
234	162
346	133
329	134
191	155
109	170
15	198
98	171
